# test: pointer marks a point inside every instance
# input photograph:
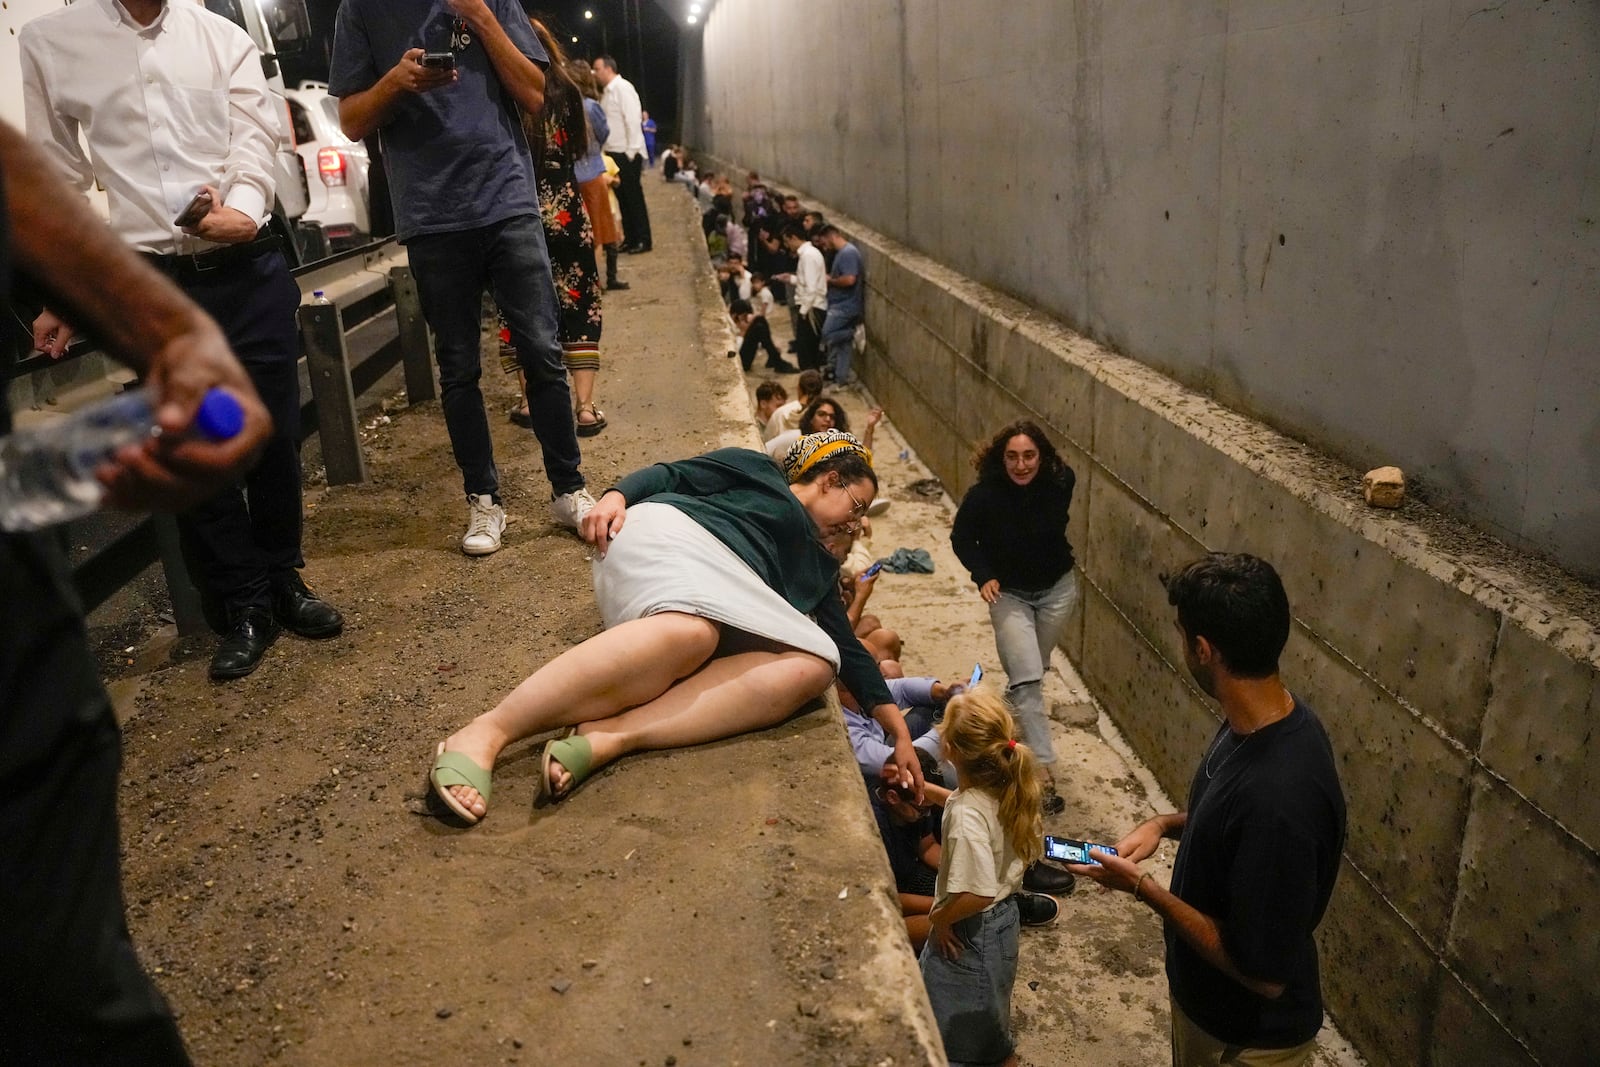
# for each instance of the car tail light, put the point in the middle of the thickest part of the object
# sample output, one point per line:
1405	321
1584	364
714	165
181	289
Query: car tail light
330	164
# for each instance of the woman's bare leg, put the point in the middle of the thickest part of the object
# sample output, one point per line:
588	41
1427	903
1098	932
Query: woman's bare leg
626	665
728	696
583	394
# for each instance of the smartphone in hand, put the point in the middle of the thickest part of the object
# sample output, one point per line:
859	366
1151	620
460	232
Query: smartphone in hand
439	60
977	676
197	209
1069	851
870	571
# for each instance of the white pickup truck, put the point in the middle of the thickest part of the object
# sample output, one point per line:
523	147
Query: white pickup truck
278	28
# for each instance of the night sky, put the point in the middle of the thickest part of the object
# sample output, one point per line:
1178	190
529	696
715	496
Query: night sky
640	34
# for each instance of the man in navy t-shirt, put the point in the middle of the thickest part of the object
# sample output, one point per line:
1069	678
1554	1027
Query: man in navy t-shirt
444	83
847	287
1261	837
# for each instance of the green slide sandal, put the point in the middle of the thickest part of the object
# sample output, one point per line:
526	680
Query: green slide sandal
452	768
575	754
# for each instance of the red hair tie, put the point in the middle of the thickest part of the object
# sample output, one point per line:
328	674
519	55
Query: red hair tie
1011	745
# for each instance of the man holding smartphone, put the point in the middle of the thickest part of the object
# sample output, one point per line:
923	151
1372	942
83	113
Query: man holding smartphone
1261	837
172	101
466	207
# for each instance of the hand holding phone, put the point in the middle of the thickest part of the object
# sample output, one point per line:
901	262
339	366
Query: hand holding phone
977	676
1069	851
871	572
438	60
197	209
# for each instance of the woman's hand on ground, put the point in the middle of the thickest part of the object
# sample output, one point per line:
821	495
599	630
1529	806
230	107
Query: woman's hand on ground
604	520
990	591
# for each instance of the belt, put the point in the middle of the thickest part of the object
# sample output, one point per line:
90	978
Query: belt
198	263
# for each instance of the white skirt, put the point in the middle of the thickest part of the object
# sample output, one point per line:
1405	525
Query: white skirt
665	561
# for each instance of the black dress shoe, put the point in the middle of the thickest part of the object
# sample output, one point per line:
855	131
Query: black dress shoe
242	648
1036	909
300	611
634	250
781	367
1047	878
615	286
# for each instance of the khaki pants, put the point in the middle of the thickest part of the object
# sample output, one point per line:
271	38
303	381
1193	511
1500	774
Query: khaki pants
1193	1047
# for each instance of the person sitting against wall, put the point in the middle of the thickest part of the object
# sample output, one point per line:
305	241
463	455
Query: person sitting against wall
770	395
787	417
1010	532
722	616
824	413
884	643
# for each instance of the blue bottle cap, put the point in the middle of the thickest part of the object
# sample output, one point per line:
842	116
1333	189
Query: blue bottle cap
220	416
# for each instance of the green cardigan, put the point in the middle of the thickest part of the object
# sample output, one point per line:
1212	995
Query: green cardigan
741	498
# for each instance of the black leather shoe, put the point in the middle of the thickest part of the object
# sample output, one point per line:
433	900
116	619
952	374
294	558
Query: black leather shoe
1047	878
781	367
300	611
634	250
242	648
614	286
1036	909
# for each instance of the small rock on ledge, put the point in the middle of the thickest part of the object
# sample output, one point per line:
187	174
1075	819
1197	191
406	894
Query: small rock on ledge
1384	487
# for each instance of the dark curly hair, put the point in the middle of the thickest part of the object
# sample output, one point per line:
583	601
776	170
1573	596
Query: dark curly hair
990	458
841	421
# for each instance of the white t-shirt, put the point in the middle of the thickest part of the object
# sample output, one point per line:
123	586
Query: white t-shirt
779	446
976	857
787	417
762	302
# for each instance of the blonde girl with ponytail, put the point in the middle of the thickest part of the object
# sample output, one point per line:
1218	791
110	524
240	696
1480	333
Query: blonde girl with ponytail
992	832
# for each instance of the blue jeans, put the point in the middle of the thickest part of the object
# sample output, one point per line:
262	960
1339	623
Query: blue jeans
452	270
838	341
1027	626
971	996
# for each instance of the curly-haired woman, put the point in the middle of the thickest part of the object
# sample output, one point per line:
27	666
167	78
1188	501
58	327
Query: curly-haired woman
1011	534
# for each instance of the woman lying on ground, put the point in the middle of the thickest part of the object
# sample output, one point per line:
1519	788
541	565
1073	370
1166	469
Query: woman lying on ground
722	616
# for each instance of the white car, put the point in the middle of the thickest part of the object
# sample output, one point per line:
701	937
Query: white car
336	166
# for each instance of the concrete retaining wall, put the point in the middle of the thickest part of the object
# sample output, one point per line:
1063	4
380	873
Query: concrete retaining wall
1458	683
1371	225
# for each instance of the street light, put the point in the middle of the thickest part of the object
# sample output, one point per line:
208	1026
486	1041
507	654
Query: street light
588	14
693	19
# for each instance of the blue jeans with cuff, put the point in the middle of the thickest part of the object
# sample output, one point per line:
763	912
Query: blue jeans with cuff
452	270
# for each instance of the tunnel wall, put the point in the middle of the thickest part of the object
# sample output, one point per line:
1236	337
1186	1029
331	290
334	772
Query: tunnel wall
1370	225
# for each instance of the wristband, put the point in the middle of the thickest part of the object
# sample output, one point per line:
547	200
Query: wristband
1139	883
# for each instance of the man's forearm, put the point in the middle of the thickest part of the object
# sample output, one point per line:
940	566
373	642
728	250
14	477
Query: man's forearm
58	240
360	114
519	75
1203	934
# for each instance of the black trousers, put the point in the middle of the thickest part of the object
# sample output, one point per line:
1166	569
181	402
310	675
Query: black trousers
758	335
248	535
630	198
808	340
71	987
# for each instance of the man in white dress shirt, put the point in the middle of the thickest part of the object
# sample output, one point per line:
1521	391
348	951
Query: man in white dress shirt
809	288
625	144
172	102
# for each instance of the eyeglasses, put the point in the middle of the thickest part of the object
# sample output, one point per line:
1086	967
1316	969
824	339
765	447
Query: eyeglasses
857	508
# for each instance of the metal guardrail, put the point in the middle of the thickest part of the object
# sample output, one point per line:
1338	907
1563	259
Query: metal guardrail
360	286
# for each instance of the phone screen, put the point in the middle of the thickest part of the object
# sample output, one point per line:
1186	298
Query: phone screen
977	676
1069	851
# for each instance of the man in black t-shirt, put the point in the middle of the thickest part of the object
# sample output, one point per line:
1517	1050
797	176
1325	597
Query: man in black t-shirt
1260	839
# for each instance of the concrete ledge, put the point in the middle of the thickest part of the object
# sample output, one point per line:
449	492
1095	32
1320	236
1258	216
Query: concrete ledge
1457	678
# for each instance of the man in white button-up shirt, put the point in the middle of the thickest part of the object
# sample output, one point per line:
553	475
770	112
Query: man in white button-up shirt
172	102
625	144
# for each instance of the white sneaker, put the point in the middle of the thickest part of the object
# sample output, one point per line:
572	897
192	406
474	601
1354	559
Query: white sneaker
569	508
484	526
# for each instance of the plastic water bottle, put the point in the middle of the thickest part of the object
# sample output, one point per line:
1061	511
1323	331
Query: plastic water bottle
317	297
47	473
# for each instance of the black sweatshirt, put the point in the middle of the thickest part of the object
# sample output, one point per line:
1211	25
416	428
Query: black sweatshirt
1015	533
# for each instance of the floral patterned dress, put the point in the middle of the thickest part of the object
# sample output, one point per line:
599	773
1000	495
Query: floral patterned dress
570	239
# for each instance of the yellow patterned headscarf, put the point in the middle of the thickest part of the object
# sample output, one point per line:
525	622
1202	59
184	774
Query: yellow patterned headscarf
813	448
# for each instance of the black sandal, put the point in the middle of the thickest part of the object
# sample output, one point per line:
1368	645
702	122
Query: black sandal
589	429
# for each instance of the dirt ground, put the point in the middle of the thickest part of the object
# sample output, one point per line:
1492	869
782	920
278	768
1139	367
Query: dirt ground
299	903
